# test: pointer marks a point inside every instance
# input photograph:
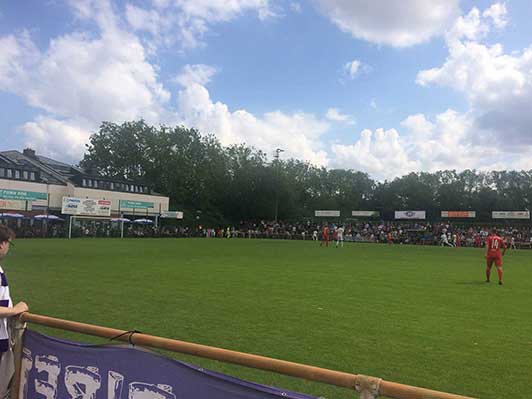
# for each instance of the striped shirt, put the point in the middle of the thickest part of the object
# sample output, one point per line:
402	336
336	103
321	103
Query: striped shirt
5	301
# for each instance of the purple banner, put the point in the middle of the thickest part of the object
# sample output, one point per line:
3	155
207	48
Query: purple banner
58	369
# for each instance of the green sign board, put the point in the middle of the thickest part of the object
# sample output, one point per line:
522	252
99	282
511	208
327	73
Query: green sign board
22	195
136	204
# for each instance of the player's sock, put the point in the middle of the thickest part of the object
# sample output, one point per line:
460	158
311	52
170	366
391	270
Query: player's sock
499	272
488	272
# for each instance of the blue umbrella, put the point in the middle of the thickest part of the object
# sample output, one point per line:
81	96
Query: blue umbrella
48	217
12	215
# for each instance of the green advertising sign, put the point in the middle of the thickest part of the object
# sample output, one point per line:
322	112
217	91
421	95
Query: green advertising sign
136	204
22	195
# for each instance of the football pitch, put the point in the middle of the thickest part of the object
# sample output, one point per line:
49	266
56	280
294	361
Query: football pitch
416	315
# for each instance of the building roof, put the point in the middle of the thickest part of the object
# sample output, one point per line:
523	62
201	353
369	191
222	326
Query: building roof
51	171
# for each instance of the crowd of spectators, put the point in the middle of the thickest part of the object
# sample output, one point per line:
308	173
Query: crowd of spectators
396	232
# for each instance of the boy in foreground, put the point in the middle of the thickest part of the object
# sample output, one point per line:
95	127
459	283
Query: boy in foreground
7	310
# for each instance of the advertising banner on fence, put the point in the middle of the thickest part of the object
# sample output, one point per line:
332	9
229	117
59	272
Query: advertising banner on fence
458	214
172	214
15	205
333	214
367	214
410	214
53	368
85	207
510	214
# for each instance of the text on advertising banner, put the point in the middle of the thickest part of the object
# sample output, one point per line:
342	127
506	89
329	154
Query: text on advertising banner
458	214
53	368
136	204
85	207
410	214
22	195
366	213
510	214
334	214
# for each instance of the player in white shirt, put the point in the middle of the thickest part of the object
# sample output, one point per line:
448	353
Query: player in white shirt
445	240
340	236
315	235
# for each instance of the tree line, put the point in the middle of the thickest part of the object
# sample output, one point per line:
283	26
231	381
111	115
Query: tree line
227	184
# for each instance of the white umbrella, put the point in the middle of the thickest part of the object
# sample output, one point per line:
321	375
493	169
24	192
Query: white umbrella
143	221
125	220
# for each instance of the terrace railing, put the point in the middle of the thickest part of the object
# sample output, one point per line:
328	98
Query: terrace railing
367	387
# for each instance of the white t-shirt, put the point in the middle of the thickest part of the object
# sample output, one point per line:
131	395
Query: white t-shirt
5	301
340	233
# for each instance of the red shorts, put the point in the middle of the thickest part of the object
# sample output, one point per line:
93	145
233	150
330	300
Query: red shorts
494	258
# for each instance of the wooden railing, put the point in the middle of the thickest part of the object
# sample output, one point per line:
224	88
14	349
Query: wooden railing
368	387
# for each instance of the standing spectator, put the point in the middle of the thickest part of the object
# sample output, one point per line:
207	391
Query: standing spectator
7	310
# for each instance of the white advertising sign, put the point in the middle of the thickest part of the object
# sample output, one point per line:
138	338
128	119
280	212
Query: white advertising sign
510	214
365	213
327	213
172	214
410	214
85	207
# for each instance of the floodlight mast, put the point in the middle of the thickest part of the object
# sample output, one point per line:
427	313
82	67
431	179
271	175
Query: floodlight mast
276	156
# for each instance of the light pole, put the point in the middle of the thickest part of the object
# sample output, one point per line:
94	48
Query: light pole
276	156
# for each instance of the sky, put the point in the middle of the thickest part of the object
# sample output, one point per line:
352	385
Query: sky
384	86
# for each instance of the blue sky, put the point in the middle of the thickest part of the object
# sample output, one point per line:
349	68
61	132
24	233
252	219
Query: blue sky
389	88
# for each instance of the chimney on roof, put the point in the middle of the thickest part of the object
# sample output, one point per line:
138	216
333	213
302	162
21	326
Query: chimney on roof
29	152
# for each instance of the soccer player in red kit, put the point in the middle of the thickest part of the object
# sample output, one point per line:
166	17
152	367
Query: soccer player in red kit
325	236
494	243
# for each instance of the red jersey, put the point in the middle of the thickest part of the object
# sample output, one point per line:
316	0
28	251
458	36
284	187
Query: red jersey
494	244
326	232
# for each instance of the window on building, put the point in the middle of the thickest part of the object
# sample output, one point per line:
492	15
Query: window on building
2	172
89	183
112	185
9	173
25	175
32	175
140	189
17	174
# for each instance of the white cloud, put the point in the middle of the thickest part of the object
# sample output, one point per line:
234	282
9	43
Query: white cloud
185	22
373	104
56	138
81	80
398	23
497	12
295	7
423	145
199	73
497	85
298	133
354	68
333	114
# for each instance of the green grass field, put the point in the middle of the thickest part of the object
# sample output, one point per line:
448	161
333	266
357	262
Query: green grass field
414	315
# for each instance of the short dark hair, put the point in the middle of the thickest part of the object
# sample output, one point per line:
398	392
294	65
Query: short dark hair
494	230
6	234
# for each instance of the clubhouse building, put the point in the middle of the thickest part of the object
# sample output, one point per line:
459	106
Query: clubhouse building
32	184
